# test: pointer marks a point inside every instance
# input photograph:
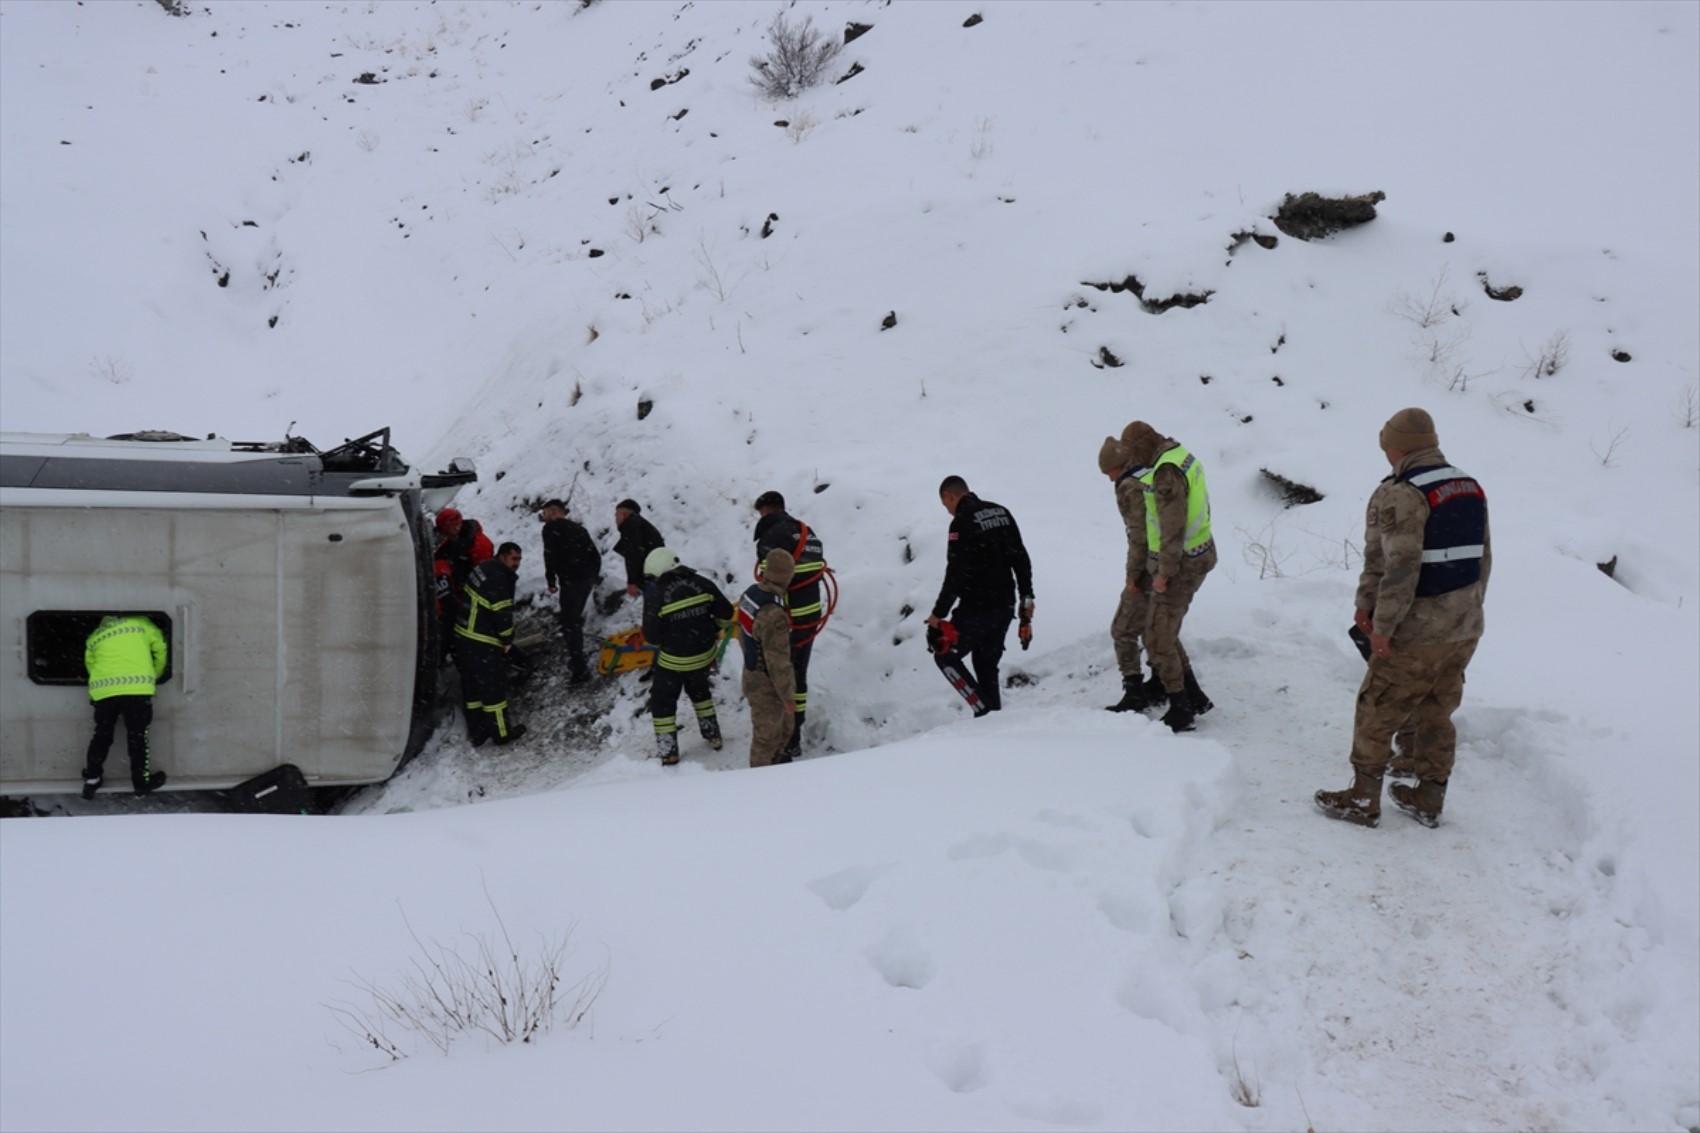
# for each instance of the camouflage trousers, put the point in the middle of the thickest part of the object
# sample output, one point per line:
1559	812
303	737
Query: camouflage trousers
1127	628
1414	693
1168	610
770	725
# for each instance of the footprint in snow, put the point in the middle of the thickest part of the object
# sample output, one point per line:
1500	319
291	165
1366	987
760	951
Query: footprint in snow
844	889
901	960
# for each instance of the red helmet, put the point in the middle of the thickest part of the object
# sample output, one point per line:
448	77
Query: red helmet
447	518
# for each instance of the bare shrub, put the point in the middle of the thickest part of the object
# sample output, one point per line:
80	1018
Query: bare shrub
796	60
1687	407
1608	458
1260	552
1552	357
1427	309
490	990
802	124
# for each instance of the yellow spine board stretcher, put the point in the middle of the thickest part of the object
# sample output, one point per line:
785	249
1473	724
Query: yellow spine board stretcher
626	651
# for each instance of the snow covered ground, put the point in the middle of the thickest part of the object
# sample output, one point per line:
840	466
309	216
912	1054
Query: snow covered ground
533	219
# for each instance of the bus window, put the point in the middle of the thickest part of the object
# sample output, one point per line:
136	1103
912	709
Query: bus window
56	639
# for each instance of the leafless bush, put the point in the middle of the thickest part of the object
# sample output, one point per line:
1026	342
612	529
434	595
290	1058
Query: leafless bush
1608	458
111	369
1552	357
796	61
802	124
491	991
1430	309
1687	407
175	7
640	225
1260	552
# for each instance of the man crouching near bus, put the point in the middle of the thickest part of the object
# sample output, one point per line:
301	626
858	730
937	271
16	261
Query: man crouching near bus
125	656
484	635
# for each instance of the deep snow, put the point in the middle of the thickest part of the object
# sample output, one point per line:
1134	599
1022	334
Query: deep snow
1056	917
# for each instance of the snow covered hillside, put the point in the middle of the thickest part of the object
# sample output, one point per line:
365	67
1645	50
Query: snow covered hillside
574	243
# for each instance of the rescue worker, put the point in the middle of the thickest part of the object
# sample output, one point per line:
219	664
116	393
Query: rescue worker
1127	628
461	545
769	679
484	638
683	616
986	567
638	537
1427	556
125	657
778	530
571	566
1180	552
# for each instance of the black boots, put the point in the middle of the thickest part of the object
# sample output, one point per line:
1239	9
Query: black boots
1136	695
1180	715
91	782
1200	703
514	733
154	781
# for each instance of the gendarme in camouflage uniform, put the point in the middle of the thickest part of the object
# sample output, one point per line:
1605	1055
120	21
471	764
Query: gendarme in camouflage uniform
1427	556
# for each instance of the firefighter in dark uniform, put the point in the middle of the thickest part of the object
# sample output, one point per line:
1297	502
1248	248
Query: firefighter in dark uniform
571	566
683	617
769	685
986	568
482	640
638	537
777	530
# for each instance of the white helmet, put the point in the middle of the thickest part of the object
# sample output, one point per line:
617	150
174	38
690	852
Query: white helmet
659	562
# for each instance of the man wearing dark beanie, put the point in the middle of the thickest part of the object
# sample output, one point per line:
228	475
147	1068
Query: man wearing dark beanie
1427	556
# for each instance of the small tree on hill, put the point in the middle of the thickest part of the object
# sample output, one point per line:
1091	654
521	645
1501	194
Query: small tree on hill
797	60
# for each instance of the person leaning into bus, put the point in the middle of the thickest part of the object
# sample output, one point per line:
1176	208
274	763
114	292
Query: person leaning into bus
125	656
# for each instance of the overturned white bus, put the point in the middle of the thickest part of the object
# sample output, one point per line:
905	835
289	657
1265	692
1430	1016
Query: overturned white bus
293	587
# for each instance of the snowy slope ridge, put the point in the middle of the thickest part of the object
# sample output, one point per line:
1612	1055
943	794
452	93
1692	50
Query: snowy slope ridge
573	243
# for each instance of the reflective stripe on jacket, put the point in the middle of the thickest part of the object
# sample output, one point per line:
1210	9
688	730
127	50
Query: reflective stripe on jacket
683	614
1197	532
1456	532
489	614
124	657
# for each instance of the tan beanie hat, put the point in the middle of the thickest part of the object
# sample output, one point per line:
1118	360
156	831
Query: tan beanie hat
1141	441
779	567
1111	455
1409	430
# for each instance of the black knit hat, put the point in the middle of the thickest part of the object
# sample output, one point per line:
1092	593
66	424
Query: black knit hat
770	499
628	505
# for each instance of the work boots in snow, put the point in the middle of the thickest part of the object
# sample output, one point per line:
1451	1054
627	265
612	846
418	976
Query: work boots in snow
91	782
1200	703
1136	696
667	747
711	733
793	746
1359	803
515	732
1422	802
147	786
1180	715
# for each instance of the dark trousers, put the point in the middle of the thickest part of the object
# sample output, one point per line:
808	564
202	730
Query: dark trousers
137	712
483	688
979	641
800	655
574	595
664	700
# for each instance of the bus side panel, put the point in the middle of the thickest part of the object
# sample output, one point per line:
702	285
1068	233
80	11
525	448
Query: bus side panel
350	642
294	638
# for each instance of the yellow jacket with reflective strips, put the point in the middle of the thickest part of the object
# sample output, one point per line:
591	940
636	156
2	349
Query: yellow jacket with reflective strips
1196	533
125	656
